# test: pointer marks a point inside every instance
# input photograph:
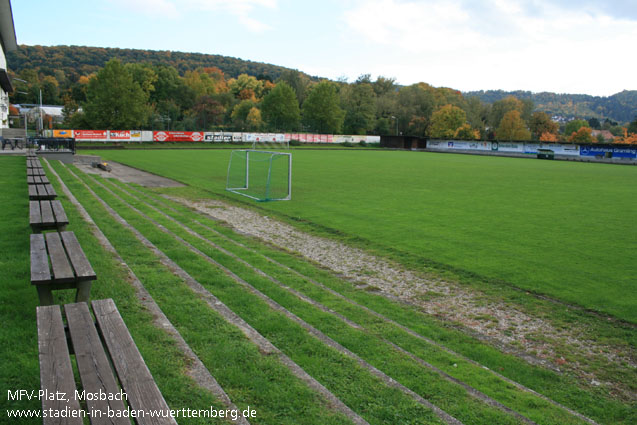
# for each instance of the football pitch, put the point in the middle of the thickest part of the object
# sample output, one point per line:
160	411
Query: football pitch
562	229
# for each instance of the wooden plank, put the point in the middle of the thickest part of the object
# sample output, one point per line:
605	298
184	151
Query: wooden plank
60	214
62	270
50	190
56	374
131	369
47	213
44	179
31	180
40	272
83	269
41	191
35	216
95	370
33	191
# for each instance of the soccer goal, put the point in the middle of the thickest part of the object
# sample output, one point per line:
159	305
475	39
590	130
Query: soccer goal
262	144
260	175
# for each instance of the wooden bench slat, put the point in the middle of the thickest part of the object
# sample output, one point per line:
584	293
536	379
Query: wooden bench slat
33	191
95	370
56	373
81	265
47	213
60	214
35	216
30	179
62	270
40	272
50	190
131	369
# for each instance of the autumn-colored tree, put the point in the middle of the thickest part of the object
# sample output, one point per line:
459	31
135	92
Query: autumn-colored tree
542	124
253	120
446	121
240	114
244	85
583	135
548	137
574	126
500	108
466	132
512	127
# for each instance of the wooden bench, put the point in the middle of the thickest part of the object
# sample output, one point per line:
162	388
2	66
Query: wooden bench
33	163
96	348
37	180
41	191
47	215
58	262
35	172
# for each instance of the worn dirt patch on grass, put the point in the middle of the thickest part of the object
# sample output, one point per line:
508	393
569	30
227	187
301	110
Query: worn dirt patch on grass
532	338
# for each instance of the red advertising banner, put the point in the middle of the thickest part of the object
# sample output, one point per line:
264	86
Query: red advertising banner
120	135
90	134
178	136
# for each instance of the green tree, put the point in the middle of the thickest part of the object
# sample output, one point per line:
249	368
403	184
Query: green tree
574	126
415	104
114	100
299	81
359	103
632	127
446	121
280	108
512	127
321	111
240	114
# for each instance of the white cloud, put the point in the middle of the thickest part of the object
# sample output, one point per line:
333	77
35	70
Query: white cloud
240	9
509	44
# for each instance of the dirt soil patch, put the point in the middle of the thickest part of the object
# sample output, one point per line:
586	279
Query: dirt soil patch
123	173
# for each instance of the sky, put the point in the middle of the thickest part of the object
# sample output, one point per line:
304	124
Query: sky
562	46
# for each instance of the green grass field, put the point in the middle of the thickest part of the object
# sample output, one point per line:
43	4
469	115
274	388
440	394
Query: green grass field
279	295
563	229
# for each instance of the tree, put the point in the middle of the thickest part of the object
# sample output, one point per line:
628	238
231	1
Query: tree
512	127
446	121
253	120
114	100
594	123
280	108
501	107
321	110
541	124
359	103
414	109
240	114
298	81
582	135
632	127
574	126
465	132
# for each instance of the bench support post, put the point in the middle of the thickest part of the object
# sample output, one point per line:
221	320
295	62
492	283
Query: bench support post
83	291
45	294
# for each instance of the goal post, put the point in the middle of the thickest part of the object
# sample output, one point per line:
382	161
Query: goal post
260	175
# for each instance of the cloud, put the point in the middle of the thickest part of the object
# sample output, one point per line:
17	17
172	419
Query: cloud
239	9
511	44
